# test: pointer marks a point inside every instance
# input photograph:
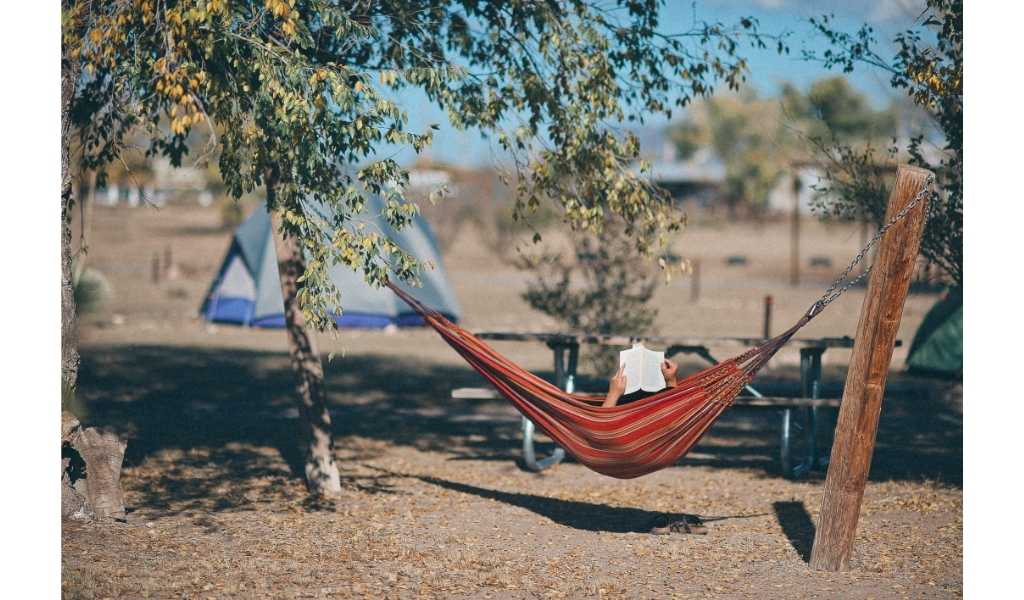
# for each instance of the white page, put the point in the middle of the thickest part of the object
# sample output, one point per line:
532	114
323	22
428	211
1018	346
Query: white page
632	360
653	380
642	369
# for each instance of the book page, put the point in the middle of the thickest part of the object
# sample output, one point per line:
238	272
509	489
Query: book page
642	368
632	360
652	379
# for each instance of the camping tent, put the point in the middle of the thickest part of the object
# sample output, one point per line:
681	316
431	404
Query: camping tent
247	289
938	345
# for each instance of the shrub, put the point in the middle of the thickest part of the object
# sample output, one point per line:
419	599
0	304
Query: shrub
603	287
92	291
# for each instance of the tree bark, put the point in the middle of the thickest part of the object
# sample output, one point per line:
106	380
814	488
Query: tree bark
72	500
103	453
69	358
320	469
90	472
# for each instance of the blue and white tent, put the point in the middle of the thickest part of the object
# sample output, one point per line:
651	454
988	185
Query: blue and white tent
247	289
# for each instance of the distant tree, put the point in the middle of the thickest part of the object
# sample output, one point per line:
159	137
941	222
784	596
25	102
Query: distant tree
832	108
758	138
292	93
928	67
744	132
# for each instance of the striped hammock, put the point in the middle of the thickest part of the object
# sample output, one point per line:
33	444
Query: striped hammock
622	441
641	437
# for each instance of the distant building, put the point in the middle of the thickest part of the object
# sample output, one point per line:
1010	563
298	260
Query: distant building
804	180
157	183
696	181
420	178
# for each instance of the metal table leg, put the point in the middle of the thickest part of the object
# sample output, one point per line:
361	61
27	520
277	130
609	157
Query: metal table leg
569	384
785	451
565	378
530	454
810	386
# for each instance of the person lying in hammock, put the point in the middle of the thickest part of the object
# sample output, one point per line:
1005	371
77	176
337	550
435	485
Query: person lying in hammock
662	524
617	385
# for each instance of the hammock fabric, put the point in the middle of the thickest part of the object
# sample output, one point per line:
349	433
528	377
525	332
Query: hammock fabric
623	441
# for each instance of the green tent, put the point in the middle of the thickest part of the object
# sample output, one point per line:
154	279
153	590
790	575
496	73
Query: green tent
938	345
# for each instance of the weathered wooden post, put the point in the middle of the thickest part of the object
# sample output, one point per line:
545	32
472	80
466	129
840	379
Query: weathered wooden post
865	380
695	280
794	235
156	268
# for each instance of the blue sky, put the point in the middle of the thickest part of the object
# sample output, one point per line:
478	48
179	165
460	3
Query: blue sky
768	68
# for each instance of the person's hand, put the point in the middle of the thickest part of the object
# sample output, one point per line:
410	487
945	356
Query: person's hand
616	387
669	370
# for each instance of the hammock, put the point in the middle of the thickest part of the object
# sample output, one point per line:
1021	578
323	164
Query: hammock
640	437
623	441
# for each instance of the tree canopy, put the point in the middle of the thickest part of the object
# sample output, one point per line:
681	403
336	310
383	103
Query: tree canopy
832	108
928	66
301	94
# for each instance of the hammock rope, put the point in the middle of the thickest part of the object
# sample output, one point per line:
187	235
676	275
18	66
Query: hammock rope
634	439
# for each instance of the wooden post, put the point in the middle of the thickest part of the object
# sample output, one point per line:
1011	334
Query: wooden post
865	380
695	280
768	302
156	267
794	235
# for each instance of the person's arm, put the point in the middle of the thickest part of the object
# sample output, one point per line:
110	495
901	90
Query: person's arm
616	387
670	371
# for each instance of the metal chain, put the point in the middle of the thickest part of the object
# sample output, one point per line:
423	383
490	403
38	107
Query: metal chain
841	284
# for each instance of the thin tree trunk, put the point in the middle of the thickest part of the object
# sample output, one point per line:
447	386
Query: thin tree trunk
69	358
103	451
320	469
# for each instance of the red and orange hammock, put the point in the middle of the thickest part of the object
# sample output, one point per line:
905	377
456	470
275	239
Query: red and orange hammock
644	436
622	441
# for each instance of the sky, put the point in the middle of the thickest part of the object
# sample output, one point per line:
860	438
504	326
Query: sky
768	69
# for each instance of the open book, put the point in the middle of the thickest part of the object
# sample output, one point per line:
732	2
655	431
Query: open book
642	369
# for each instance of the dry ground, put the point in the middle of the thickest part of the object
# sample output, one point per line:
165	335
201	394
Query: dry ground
435	504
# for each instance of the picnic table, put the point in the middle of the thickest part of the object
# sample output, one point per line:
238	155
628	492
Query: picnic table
565	350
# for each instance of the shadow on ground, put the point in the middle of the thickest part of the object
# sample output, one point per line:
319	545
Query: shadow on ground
232	403
585	516
796	523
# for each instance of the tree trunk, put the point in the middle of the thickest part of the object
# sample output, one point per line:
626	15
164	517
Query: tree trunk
320	469
103	453
90	472
69	358
99	494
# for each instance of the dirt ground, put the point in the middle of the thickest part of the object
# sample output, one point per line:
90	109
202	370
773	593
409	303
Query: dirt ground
436	504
